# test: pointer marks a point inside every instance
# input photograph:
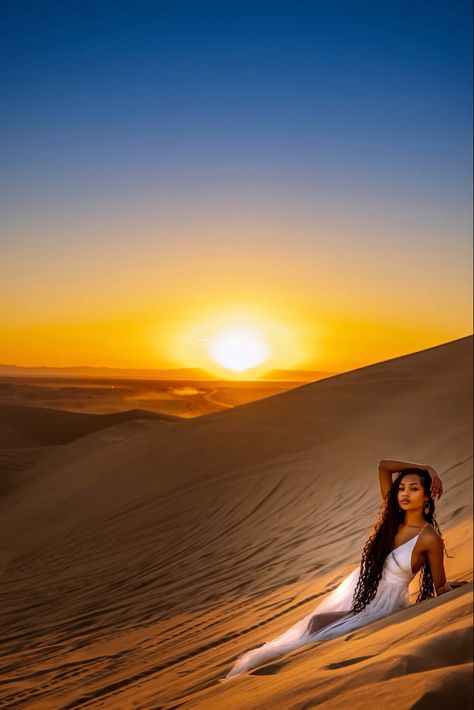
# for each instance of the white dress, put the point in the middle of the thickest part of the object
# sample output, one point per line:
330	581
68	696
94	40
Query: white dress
392	594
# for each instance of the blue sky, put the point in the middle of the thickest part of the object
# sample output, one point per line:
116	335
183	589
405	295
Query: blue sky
382	89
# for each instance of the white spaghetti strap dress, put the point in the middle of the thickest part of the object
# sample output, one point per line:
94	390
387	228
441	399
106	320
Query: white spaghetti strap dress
392	594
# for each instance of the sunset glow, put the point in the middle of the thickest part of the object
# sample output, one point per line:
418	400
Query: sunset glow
217	170
238	349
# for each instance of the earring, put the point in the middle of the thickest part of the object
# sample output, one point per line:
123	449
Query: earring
426	506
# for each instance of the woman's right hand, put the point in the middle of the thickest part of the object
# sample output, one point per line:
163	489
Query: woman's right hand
436	484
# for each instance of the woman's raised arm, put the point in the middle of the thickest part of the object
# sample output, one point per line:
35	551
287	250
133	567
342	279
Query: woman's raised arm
385	479
387	467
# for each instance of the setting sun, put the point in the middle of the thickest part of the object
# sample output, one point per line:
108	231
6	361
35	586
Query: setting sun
238	348
238	341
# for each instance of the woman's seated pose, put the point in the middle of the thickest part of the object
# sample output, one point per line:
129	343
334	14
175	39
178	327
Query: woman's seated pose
404	540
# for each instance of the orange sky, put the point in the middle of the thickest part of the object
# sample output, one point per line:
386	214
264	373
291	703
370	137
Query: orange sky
143	287
331	300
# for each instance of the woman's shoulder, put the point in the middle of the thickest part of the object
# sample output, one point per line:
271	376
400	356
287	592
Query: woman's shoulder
430	535
430	529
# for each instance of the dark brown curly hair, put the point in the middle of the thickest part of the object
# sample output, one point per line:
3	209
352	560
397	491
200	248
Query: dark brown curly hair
380	544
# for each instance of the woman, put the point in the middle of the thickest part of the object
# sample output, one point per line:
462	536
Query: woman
404	540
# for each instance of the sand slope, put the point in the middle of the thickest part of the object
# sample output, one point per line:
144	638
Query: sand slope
139	561
23	425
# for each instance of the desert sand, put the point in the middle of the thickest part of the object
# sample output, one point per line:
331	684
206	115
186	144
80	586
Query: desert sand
139	557
183	399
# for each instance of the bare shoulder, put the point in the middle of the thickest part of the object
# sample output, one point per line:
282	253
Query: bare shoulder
431	538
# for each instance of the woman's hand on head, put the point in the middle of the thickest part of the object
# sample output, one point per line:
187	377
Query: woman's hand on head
436	483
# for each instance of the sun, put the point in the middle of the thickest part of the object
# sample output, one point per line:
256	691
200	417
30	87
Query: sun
236	342
238	348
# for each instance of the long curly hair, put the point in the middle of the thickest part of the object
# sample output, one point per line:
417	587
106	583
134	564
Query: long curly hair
381	540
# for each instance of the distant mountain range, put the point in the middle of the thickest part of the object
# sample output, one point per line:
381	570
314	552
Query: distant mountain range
180	373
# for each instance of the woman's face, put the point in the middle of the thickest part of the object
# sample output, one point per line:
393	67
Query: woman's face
411	494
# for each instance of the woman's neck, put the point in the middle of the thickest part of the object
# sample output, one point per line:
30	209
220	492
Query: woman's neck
413	521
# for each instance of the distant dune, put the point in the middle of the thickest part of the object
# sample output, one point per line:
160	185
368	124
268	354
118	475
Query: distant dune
141	558
30	434
22	425
177	398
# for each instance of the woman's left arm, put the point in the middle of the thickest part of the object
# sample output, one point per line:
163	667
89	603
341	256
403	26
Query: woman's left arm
435	551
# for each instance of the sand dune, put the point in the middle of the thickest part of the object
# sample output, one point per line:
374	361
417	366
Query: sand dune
23	425
180	398
138	561
29	435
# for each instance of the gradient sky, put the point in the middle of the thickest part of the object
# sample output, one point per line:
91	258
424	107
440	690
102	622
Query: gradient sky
169	168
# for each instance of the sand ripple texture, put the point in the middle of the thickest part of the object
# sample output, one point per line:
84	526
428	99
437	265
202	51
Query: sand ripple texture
139	559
